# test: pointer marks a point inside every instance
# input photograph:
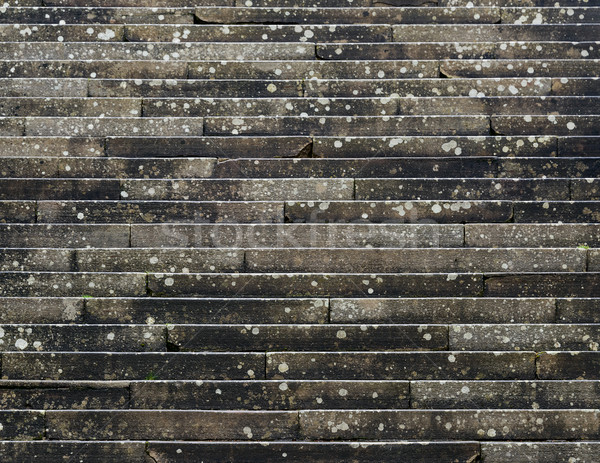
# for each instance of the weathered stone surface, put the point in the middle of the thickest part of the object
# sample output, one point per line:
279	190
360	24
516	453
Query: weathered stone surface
314	284
48	395
29	87
159	260
75	338
505	394
568	365
575	86
101	69
239	190
41	310
100	15
550	452
401	365
404	50
115	126
223	147
360	167
339	126
261	33
524	337
297	235
392	88
172	425
442	310
204	310
158	211
557	211
61	33
315	69
465	189
12	126
585	189
131	366
399	211
546	125
453	424
34	167
578	310
333	15
41	260
328	147
42	284
65	236
48	146
415	260
550	15
57	451
59	189
123	168
320	452
141	51
544	285
547	235
543	167
276	106
17	211
308	337
189	88
22	425
518	68
55	107
268	395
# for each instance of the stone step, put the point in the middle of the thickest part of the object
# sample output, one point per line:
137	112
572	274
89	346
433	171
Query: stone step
568	365
158	51
532	235
35	188
456	50
61	33
104	338
60	107
153	211
552	211
552	452
518	68
546	125
543	285
100	15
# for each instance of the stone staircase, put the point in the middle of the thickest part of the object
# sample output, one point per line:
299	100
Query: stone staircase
300	230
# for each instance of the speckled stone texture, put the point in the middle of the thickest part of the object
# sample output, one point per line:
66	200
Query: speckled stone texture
253	231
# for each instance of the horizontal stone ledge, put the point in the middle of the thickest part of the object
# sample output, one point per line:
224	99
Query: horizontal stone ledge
238	190
65	236
572	167
156	51
546	125
345	15
401	365
562	68
221	147
391	260
164	211
332	125
62	33
578	310
204	310
83	338
397	211
260	33
464	189
268	395
71	284
308	337
536	394
315	284
554	211
74	107
40	189
110	126
41	309
427	87
543	285
56	451
45	146
48	87
23	425
108	366
550	452
455	424
586	189
47	67
533	235
442	310
96	15
568	365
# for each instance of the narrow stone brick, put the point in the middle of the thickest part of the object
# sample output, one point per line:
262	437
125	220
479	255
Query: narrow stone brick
550	452
41	310
23	425
76	107
17	212
442	310
100	15
171	425
12	127
518	68
48	146
585	189
547	235
544	285
541	167
98	366
453	424
557	211
401	365
578	310
568	365
308	337
315	284
57	451
59	189
576	86
204	310
268	395
40	260
61	33
546	125
64	236
46	87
